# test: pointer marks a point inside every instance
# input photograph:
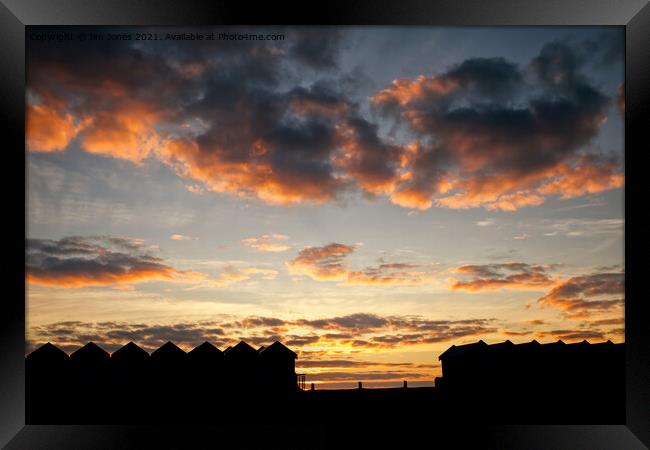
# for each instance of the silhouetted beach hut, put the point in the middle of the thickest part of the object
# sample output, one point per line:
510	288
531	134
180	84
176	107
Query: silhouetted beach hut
129	365
89	364
462	361
500	365
46	385
206	360
48	362
89	379
526	365
278	367
206	352
242	363
48	355
130	382
168	355
169	379
206	370
90	353
130	354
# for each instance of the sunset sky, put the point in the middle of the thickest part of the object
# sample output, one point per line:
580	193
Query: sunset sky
368	196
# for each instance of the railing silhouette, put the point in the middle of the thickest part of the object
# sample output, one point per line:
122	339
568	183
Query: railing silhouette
301	381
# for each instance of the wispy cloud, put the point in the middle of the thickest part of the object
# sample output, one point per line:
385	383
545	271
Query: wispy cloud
513	275
181	237
485	222
274	242
328	263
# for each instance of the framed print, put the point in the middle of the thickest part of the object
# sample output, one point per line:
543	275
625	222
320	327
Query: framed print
383	221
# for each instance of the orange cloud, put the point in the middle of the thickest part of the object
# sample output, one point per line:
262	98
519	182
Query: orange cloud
76	262
328	264
268	243
125	132
322	263
47	129
490	277
404	91
244	178
80	280
229	132
180	237
581	176
412	198
582	296
570	182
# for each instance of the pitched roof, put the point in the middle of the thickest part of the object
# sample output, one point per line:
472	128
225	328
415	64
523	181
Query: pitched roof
528	346
532	343
169	352
90	352
129	351
277	348
607	343
48	352
508	347
502	345
205	350
240	350
455	350
558	343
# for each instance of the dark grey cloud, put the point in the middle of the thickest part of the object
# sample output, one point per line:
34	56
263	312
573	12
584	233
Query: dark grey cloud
512	275
97	260
496	128
276	120
584	295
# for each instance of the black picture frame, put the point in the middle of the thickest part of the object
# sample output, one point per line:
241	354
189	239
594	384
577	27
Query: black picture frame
15	15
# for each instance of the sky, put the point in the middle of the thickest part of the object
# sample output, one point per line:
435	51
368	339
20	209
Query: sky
369	196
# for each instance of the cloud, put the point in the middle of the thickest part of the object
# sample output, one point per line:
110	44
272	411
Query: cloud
361	330
582	296
485	223
356	322
112	335
47	129
362	376
180	237
349	363
234	119
266	274
327	263
494	135
535	322
321	263
573	335
94	261
76	262
268	243
513	275
587	227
